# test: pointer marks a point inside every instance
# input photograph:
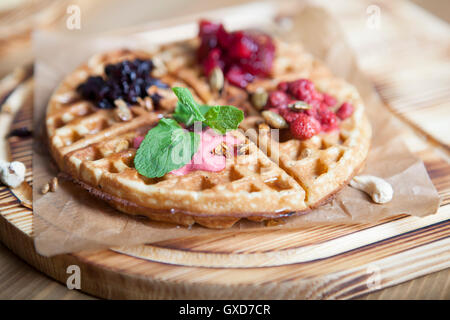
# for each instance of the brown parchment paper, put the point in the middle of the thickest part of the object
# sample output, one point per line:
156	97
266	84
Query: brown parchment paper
71	220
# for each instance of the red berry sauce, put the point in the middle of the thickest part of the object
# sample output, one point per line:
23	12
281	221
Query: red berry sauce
345	110
242	55
306	123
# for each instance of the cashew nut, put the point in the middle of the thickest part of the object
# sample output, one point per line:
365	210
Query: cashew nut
12	173
378	189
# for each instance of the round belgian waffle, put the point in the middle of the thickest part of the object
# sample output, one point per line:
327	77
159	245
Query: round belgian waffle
269	180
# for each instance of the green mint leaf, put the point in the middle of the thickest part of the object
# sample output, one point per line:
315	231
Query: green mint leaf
166	147
189	105
224	118
183	115
204	108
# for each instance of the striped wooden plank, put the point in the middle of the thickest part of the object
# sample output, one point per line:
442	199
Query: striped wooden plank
258	265
419	94
277	249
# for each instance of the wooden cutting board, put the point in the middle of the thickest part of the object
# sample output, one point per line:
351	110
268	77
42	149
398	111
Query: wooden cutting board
281	264
318	262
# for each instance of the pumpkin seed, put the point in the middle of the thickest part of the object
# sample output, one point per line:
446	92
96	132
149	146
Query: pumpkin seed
216	79
299	105
259	98
274	120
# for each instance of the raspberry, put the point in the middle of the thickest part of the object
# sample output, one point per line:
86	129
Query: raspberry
312	112
315	103
208	28
223	37
304	127
288	114
260	62
317	96
283	86
278	99
345	110
306	122
208	32
302	89
252	52
238	77
241	46
329	100
137	141
327	119
212	60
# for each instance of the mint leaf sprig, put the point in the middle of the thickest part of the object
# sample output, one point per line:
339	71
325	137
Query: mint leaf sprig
219	118
182	115
190	107
168	146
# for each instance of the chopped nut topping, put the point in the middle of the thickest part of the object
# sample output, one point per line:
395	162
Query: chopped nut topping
122	145
45	188
146	103
140	101
67	97
222	150
66	117
122	112
243	149
53	184
120	103
259	98
264	127
218	150
159	67
152	90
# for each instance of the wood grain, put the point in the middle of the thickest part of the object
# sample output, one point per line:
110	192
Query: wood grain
410	253
19	280
411	67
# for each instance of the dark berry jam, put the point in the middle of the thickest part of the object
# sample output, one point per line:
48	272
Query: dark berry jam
126	80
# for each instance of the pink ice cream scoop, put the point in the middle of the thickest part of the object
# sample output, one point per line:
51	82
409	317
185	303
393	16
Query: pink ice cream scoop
204	159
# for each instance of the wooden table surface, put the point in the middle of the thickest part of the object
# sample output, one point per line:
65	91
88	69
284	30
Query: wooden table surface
18	280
